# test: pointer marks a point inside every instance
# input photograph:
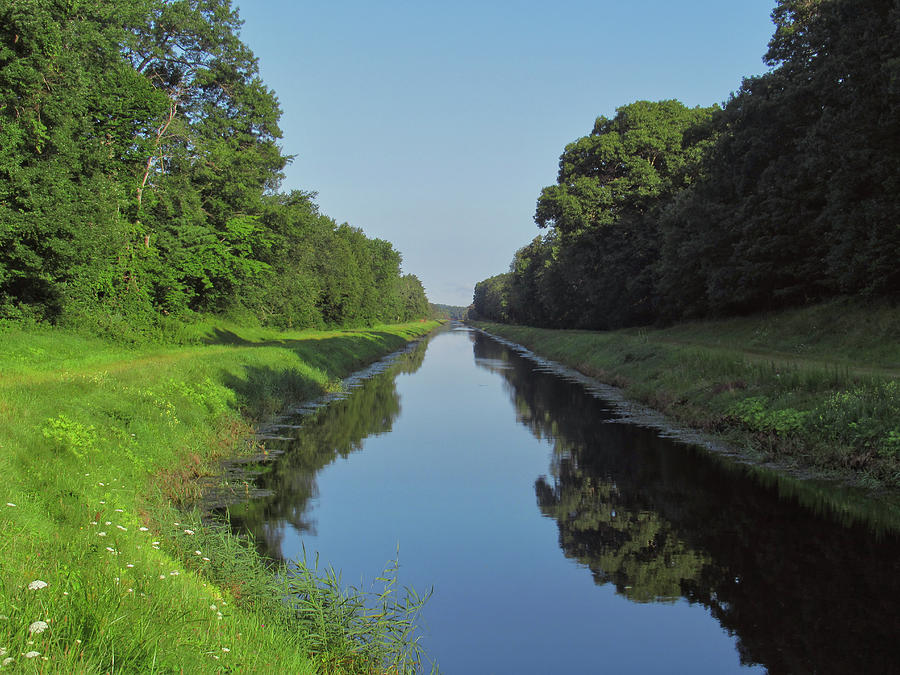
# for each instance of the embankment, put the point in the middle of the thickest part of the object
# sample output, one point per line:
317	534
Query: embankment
814	391
102	567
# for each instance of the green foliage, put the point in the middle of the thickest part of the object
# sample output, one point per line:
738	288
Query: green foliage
454	312
595	266
623	166
891	443
798	197
356	631
139	168
491	299
863	419
67	434
756	413
411	300
785	197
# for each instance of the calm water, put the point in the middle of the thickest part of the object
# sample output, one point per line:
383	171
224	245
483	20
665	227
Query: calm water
560	542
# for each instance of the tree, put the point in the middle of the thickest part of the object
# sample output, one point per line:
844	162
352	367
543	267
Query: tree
412	301
214	154
73	119
491	298
597	269
798	201
139	170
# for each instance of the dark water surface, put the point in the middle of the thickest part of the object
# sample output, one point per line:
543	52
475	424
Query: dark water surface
559	541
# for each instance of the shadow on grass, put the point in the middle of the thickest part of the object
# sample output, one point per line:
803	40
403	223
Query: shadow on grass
264	391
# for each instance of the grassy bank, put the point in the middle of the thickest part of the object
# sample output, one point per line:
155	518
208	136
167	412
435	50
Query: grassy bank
815	390
102	566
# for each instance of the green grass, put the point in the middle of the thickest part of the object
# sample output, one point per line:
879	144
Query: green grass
101	448
815	390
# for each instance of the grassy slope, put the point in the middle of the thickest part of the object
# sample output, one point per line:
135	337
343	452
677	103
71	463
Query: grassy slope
98	445
816	389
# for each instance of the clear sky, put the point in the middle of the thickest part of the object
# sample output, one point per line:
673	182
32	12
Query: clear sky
435	125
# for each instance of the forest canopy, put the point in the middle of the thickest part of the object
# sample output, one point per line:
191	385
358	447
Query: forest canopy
140	173
786	195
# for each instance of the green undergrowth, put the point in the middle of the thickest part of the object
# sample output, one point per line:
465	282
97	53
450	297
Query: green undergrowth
104	567
814	389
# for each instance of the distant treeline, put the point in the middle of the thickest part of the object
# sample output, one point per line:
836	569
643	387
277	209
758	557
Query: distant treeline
788	195
139	176
454	312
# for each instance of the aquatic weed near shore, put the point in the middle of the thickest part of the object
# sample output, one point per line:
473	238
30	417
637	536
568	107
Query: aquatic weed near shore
351	630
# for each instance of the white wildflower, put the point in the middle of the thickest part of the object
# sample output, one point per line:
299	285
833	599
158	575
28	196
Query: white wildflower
143	529
38	627
173	573
162	576
93	522
205	559
197	553
37	584
108	522
102	502
2	651
214	608
101	484
10	504
124	529
129	565
101	534
219	615
120	511
7	661
110	549
225	649
31	655
189	532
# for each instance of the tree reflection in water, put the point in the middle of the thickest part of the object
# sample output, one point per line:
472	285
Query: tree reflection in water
326	434
801	590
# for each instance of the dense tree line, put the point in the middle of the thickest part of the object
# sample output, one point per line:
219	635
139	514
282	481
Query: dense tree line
140	172
786	195
452	312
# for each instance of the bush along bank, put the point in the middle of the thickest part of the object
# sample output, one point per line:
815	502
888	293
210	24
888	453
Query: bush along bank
815	391
103	567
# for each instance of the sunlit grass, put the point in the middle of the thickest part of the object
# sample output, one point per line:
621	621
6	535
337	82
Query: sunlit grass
97	443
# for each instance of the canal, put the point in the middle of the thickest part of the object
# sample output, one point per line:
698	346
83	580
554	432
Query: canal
559	539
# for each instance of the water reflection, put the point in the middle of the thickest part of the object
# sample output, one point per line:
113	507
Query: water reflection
663	521
324	434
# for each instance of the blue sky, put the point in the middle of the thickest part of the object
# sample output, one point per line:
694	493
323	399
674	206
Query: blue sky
435	125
